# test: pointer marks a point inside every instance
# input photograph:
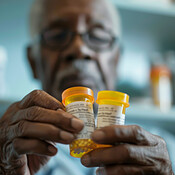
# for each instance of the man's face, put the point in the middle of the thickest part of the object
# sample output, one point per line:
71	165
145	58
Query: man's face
77	46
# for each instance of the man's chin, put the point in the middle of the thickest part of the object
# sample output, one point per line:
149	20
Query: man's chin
77	83
77	80
65	86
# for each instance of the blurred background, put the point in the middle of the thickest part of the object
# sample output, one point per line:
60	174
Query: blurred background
146	69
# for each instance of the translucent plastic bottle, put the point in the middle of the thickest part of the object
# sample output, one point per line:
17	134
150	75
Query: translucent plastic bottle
111	110
79	102
161	87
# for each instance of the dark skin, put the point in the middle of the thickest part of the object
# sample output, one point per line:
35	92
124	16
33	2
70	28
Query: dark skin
30	127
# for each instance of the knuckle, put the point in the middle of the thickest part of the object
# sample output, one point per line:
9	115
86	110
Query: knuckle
36	93
20	129
137	129
162	141
54	132
162	145
61	115
13	106
31	99
16	145
33	112
65	118
12	109
49	102
138	133
126	153
111	128
163	164
168	167
57	133
164	167
127	149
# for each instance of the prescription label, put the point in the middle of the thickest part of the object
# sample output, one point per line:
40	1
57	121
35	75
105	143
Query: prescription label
83	111
110	115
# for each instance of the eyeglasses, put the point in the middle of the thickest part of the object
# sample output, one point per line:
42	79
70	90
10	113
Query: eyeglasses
97	39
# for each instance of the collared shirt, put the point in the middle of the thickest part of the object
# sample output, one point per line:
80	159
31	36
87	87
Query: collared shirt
64	164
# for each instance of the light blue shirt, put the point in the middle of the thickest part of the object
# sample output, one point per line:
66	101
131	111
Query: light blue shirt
64	164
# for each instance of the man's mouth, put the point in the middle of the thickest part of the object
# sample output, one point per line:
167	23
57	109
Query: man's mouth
74	80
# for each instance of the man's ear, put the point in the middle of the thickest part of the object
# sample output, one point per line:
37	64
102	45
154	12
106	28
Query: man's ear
32	61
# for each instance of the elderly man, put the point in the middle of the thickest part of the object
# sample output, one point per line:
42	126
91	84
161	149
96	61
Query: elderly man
74	42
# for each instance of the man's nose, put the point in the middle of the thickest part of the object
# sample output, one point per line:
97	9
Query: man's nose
78	50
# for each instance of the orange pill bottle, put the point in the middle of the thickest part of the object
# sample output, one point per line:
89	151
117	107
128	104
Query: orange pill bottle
79	102
160	77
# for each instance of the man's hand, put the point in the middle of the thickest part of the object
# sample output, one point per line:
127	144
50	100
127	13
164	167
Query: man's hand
28	131
134	152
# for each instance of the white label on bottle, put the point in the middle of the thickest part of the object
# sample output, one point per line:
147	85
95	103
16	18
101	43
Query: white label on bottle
110	115
165	93
83	111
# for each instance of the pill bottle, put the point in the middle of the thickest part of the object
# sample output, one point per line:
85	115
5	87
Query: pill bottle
79	102
160	77
111	109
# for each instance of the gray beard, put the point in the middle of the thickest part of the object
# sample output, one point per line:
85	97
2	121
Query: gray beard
86	70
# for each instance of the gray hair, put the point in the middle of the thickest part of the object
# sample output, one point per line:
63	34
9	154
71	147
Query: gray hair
35	17
115	17
37	11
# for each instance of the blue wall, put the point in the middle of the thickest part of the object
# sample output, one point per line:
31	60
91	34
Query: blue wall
14	37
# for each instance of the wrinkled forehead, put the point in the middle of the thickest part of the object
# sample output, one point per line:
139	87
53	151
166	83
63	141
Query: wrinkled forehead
94	11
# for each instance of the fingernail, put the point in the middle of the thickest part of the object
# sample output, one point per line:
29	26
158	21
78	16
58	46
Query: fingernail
66	136
52	149
77	124
98	136
59	109
85	160
101	171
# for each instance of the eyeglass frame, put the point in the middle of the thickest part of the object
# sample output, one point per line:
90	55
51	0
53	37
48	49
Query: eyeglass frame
83	35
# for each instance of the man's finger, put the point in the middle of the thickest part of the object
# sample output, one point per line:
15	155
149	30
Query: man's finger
127	170
123	134
33	146
58	118
42	99
41	131
121	154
